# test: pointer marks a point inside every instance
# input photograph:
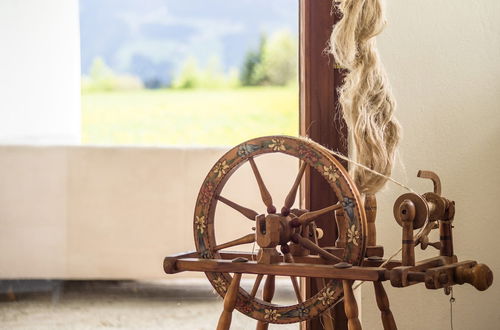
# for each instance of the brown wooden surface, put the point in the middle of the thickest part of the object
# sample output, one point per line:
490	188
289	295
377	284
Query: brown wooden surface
383	304
371	215
280	269
351	307
229	303
320	120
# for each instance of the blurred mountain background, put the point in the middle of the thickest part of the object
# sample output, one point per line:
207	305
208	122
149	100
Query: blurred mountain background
155	40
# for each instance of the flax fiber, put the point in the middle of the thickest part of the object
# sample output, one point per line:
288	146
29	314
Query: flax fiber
365	96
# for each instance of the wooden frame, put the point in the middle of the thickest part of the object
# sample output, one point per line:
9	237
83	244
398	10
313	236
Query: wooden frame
320	119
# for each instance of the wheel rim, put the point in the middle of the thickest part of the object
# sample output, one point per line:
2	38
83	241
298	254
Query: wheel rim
316	157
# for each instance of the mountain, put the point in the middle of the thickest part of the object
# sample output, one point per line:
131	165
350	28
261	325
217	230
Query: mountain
152	38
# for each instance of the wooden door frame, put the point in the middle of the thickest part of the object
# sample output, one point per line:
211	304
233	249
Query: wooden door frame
320	120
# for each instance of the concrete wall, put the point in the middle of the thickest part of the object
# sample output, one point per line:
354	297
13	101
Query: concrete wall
443	60
115	213
40	71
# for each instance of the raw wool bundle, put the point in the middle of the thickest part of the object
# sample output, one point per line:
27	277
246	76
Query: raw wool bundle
365	97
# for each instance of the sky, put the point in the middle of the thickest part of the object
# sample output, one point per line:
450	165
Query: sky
152	38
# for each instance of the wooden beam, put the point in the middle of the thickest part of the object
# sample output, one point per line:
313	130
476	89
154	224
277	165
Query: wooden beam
279	269
320	119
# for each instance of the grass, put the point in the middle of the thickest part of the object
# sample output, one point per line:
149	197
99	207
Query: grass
188	117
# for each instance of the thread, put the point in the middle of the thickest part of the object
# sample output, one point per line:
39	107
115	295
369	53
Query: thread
386	177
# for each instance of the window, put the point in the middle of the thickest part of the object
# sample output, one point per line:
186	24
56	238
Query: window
188	73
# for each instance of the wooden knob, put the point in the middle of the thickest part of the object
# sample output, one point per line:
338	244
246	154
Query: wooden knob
480	276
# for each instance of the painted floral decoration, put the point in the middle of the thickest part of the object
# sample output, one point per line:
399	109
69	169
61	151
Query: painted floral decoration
348	205
277	145
221	168
200	223
303	311
327	297
220	284
306	153
271	314
206	192
331	173
246	149
244	306
353	235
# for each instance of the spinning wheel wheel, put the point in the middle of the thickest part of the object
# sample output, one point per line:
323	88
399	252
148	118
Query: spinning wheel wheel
293	230
355	255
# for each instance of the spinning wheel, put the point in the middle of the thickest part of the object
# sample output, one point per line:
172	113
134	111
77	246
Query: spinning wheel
297	237
355	255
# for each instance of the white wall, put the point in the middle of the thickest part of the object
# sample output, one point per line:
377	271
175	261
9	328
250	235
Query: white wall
115	212
40	71
443	59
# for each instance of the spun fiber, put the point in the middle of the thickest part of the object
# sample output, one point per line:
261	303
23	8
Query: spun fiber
365	96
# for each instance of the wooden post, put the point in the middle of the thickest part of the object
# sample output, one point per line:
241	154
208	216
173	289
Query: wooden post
383	305
229	303
351	307
321	121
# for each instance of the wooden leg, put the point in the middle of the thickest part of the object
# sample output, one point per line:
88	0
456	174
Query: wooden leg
350	306
383	304
267	296
229	302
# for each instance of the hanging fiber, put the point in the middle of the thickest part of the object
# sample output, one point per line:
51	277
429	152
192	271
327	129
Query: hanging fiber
365	96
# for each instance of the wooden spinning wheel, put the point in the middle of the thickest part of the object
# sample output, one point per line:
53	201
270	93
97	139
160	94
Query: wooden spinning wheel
295	240
355	255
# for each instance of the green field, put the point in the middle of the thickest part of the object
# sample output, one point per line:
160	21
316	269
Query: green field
188	117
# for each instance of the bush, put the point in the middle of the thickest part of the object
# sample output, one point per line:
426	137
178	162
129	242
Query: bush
103	79
212	76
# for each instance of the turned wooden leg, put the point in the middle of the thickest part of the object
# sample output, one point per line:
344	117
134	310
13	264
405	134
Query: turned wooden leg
267	295
350	306
383	305
229	303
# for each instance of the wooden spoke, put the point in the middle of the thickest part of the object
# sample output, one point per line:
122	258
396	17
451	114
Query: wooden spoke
229	303
266	196
250	238
256	285
310	216
296	288
290	198
267	295
296	238
269	287
285	249
250	214
295	283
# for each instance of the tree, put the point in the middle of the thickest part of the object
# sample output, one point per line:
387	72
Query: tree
274	64
279	60
250	63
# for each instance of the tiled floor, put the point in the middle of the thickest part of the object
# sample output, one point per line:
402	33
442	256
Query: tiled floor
179	304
